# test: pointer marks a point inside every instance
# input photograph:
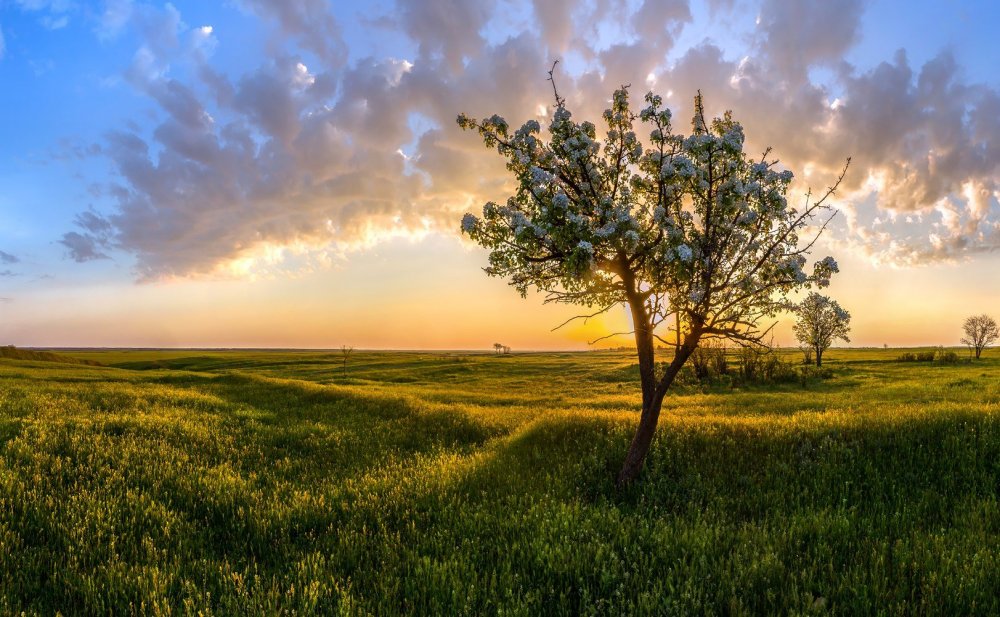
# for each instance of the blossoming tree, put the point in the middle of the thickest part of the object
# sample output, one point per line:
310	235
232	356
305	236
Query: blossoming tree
690	233
821	321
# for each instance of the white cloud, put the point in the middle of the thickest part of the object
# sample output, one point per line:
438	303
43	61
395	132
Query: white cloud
113	19
303	151
802	33
54	14
307	21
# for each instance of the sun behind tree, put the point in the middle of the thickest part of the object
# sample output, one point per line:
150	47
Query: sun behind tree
689	232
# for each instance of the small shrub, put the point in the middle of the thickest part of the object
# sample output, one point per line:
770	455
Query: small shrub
709	361
939	355
808	373
764	367
807	355
700	364
719	362
750	364
774	369
945	356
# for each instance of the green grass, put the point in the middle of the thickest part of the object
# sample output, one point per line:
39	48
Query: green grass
444	483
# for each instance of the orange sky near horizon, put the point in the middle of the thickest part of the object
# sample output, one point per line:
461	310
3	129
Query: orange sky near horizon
432	294
216	174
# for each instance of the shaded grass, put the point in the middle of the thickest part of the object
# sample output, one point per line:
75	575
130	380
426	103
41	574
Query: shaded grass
263	483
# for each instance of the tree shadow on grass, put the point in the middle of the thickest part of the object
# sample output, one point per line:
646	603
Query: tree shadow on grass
718	498
924	465
338	430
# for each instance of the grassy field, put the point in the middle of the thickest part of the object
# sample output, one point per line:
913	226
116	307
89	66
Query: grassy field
224	483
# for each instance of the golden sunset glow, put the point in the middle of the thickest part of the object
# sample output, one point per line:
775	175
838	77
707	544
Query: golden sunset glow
310	194
432	294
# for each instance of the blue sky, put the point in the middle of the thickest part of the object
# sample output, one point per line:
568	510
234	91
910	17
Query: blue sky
153	152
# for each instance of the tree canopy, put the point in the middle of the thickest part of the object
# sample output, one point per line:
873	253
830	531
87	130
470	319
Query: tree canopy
685	230
980	332
821	321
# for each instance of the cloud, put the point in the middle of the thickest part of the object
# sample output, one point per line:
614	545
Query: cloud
450	28
308	22
924	142
54	13
280	166
7	258
555	20
50	22
55	6
802	33
113	19
82	247
310	154
657	21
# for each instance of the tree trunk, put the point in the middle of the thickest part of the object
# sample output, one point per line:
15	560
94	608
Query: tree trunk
979	350
652	398
819	357
639	448
643	438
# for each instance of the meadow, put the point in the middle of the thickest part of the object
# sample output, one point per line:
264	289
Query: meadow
237	482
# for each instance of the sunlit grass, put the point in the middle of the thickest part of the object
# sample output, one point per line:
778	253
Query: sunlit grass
246	483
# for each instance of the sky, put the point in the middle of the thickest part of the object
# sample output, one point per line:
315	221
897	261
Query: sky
289	173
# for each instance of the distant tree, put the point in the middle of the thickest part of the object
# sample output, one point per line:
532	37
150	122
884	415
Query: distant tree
497	348
821	321
689	232
980	332
506	350
346	351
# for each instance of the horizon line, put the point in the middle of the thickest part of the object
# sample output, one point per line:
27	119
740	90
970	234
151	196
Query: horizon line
483	350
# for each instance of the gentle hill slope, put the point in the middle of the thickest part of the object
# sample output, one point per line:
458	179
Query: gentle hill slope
13	353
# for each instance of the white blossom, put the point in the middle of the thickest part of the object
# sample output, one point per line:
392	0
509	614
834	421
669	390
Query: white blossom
606	231
531	126
684	167
734	137
498	122
540	176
